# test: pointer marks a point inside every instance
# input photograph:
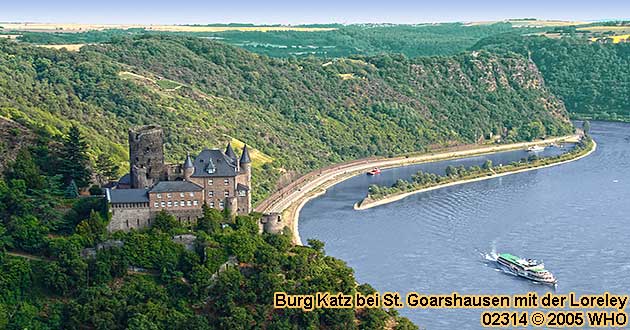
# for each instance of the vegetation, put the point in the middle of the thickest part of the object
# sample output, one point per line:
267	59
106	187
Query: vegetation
591	78
422	180
337	41
62	270
298	112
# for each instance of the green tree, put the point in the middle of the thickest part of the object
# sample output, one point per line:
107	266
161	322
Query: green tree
487	165
27	232
92	229
24	168
74	159
106	169
165	222
72	191
316	245
211	220
586	127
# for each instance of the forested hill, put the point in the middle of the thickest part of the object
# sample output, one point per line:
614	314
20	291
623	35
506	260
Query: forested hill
299	113
592	78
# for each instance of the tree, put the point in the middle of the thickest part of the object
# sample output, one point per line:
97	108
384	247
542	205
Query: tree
74	159
92	229
316	245
5	240
24	168
72	191
210	222
586	127
106	169
487	165
165	222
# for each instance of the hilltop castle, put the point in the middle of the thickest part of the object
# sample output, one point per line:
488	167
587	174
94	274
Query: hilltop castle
216	178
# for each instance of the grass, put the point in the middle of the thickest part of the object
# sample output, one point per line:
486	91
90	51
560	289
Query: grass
258	157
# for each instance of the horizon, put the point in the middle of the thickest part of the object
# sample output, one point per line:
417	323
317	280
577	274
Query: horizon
283	12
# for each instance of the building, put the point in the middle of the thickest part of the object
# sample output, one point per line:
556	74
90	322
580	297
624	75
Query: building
218	179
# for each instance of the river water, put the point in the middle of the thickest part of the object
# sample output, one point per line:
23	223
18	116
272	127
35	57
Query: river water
575	216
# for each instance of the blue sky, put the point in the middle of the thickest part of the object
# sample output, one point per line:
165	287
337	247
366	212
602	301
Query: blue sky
298	11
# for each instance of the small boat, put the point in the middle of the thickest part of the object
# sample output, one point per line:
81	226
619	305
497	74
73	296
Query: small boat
536	148
374	171
528	268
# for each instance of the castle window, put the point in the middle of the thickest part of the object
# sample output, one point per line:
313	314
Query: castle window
182	194
192	194
176	203
221	204
159	196
210	182
242	193
188	203
127	223
226	181
138	222
169	195
182	203
212	204
195	203
156	204
210	193
170	204
226	193
162	204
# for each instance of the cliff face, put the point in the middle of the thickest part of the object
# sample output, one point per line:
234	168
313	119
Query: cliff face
299	113
13	137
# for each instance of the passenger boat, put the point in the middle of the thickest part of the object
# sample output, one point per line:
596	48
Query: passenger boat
374	171
528	268
536	148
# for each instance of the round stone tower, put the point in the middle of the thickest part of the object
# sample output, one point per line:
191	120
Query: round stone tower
189	168
146	155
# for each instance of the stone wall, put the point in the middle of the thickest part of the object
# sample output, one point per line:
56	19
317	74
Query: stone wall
126	218
146	155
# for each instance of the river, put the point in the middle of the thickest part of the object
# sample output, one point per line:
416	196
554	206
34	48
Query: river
575	216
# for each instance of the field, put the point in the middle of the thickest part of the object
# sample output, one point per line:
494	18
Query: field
68	47
59	27
530	23
604	29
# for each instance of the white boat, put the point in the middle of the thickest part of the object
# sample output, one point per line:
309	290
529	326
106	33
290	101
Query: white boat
536	148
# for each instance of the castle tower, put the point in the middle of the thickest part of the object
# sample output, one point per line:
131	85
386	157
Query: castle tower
231	154
146	155
245	169
188	167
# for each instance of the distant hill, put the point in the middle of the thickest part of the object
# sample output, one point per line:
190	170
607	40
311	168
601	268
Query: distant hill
299	113
592	78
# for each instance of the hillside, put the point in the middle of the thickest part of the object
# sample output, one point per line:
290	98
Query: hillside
300	113
592	78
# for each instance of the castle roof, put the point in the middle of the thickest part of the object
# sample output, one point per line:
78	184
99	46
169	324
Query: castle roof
118	196
188	162
245	156
174	186
241	187
229	151
214	163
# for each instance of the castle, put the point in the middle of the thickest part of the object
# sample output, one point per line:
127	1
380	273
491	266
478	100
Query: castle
216	178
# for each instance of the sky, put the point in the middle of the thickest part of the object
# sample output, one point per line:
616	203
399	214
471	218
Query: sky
304	12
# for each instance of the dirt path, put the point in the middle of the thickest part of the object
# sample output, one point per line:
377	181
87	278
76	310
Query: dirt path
290	199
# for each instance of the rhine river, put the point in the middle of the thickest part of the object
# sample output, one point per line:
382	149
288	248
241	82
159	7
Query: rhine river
575	217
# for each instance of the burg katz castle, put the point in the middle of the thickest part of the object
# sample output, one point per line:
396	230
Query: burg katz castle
216	178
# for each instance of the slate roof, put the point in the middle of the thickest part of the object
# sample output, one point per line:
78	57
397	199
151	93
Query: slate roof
241	187
118	196
214	163
188	162
245	156
174	186
230	152
125	179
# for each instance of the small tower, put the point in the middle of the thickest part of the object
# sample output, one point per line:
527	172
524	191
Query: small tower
231	154
189	167
245	164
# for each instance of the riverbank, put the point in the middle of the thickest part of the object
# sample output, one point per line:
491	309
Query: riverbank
367	203
290	200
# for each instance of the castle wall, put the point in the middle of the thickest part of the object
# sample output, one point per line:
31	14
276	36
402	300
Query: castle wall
129	216
271	223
